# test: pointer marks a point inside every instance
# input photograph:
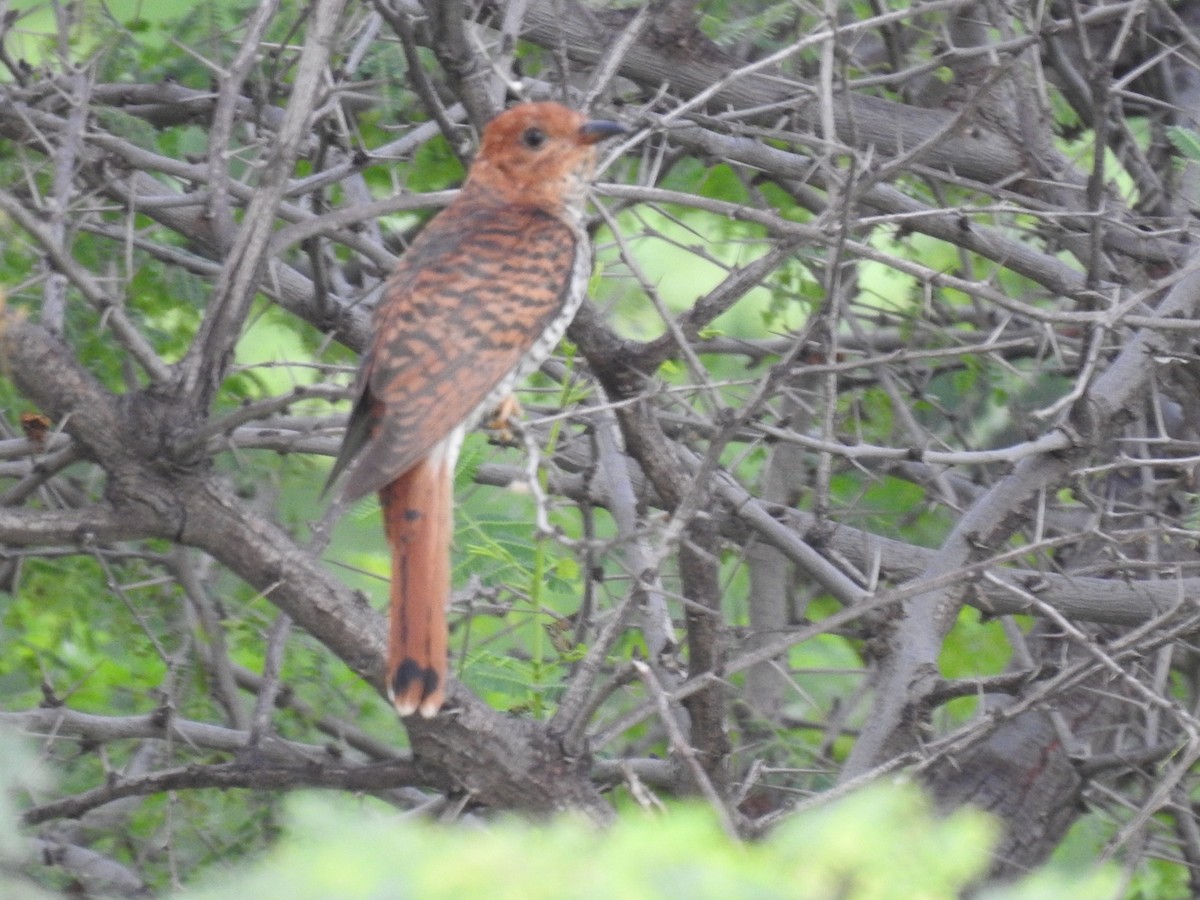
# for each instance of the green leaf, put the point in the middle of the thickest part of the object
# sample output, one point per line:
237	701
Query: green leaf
1185	140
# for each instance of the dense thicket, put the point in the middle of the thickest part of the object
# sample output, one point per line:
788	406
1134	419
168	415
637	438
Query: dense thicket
874	449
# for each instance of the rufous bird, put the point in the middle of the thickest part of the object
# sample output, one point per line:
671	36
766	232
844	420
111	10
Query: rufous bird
479	300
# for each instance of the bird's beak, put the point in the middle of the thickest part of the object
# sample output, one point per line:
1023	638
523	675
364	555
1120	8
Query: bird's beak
597	130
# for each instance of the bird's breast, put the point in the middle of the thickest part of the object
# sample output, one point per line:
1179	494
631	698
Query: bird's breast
551	332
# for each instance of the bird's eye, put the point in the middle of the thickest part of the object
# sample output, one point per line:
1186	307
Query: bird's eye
533	138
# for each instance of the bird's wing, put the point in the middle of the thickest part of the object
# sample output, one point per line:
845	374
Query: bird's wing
470	297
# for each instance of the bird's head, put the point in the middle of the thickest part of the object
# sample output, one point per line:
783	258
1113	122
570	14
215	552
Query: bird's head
540	154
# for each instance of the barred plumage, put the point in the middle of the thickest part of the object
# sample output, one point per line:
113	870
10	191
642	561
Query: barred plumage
480	299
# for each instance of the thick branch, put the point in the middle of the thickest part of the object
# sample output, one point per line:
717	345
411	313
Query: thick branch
504	762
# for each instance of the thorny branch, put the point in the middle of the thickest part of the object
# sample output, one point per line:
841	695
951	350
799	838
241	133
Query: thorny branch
902	335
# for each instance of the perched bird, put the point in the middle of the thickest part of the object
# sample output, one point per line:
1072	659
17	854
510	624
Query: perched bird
480	299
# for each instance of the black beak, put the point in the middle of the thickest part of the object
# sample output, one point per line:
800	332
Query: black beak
597	130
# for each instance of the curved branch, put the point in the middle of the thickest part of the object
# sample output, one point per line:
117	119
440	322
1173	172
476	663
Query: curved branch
59	721
249	776
506	762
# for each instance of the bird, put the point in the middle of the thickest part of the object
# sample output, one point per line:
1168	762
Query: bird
478	301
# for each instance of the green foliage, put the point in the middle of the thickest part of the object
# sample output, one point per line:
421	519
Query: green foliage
978	647
819	661
21	774
721	27
1185	140
1160	879
873	845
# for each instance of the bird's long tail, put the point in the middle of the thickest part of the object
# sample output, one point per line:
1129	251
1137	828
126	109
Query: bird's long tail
417	517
